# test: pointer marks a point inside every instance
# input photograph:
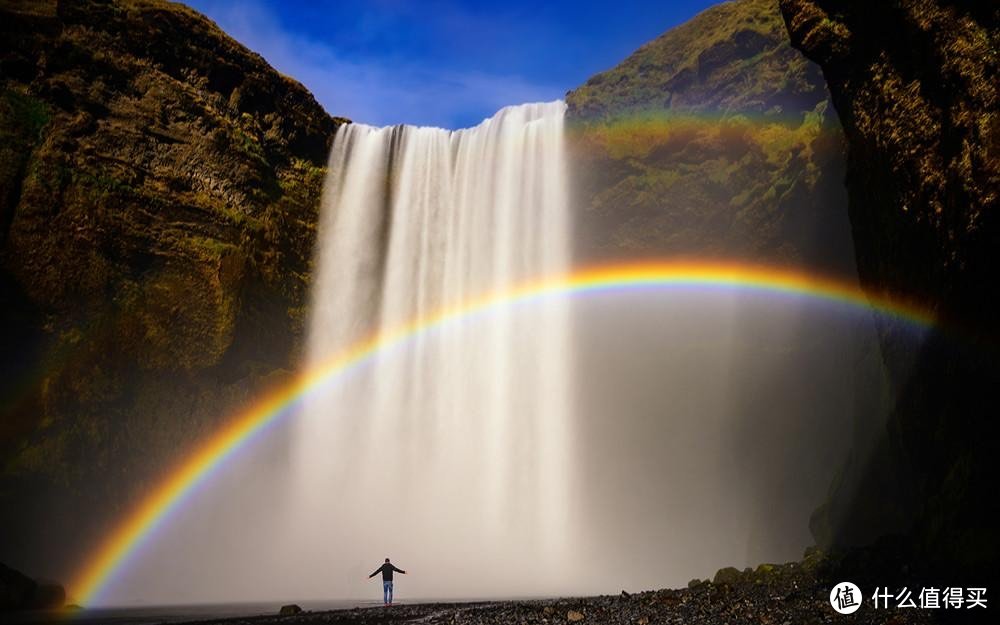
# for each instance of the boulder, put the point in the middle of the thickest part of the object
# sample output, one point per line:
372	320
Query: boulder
288	610
20	592
48	595
16	588
728	575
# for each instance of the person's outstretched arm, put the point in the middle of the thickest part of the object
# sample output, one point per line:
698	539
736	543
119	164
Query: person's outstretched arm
377	571
398	570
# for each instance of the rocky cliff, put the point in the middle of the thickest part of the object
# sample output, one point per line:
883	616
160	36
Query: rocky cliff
715	139
159	185
719	139
915	86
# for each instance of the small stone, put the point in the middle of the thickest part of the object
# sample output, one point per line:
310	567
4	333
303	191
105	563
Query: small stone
626	595
573	616
549	610
643	621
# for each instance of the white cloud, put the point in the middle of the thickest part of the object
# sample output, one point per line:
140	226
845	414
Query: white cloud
377	92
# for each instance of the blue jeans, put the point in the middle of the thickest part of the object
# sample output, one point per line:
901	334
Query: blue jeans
387	592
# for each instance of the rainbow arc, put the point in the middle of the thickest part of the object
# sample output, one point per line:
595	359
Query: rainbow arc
111	557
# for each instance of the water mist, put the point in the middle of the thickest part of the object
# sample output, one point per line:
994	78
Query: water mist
635	439
453	448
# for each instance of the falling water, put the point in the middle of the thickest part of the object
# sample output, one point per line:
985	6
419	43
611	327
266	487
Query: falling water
449	453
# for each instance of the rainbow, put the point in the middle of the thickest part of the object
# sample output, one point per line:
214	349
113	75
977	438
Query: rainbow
123	541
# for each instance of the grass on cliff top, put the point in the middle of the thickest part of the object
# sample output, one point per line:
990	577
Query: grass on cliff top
672	62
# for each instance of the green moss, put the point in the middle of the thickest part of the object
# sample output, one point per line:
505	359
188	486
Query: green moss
103	182
214	247
302	180
249	146
23	120
53	177
22	114
696	65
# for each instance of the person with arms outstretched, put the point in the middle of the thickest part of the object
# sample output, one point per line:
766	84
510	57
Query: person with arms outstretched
386	570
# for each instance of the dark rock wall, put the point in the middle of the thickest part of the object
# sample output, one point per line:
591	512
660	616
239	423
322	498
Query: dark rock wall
20	592
915	84
159	188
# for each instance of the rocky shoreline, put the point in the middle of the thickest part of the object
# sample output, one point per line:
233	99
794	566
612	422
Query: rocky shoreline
789	594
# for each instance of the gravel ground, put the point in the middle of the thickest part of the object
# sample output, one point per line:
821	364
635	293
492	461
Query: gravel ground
790	594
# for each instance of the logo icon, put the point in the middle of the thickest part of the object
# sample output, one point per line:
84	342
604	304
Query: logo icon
845	598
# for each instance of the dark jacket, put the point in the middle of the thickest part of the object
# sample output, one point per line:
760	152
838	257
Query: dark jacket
387	570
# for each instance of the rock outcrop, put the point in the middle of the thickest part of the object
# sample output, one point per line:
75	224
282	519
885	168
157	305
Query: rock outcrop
715	139
159	189
915	86
20	592
718	139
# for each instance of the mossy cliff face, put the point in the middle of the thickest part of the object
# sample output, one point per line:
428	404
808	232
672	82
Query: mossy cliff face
718	140
715	139
915	86
159	188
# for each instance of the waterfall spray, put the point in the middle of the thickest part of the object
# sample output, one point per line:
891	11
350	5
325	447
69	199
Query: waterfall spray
453	456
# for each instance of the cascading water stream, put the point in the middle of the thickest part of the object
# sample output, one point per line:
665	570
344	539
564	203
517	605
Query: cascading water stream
451	453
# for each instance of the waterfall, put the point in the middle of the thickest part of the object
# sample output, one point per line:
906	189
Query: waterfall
449	453
698	429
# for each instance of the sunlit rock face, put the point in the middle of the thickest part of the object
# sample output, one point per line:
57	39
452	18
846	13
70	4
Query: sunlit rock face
159	187
914	84
715	139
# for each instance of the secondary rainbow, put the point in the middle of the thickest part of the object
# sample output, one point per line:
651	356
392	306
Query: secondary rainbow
111	556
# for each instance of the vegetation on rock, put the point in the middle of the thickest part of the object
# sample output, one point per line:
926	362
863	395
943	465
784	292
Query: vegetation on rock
715	139
159	189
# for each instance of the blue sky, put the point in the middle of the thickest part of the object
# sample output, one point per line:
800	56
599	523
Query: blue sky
441	63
